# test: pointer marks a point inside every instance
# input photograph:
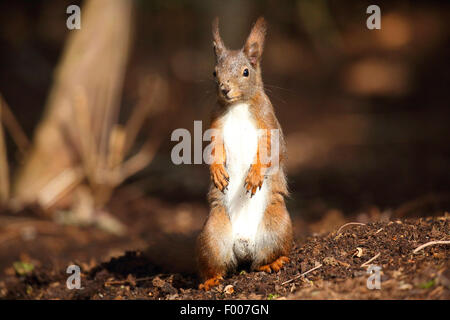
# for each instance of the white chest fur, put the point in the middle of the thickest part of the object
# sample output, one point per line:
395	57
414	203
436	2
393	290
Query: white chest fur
241	142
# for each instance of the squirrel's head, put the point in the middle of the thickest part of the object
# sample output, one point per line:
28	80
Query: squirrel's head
238	72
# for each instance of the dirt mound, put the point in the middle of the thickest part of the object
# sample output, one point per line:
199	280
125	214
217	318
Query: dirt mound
329	266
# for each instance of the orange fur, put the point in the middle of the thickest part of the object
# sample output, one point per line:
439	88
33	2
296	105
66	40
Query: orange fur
217	169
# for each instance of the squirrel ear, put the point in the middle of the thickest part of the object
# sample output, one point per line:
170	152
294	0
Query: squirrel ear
254	45
218	45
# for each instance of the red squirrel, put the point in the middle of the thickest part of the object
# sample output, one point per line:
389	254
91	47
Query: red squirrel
248	221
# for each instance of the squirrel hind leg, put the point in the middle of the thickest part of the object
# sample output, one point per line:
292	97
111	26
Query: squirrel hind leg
272	252
211	282
215	249
275	266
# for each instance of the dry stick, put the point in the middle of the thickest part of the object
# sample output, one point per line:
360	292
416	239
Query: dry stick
302	275
369	261
127	280
141	159
430	244
83	130
348	224
12	125
59	186
141	113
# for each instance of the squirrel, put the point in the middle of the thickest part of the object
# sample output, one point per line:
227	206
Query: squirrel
248	222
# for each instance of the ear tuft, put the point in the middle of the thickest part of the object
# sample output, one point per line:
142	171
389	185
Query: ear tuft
254	45
218	45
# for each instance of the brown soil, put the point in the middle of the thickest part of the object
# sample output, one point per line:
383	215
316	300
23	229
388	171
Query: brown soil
147	265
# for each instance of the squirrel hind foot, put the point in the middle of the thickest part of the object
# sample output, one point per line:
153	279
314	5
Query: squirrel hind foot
212	282
275	266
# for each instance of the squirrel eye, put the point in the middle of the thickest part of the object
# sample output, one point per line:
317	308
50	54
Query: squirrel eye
214	74
245	73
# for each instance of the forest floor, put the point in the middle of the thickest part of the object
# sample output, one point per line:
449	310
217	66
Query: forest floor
35	253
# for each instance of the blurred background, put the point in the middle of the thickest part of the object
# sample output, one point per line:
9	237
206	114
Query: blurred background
86	116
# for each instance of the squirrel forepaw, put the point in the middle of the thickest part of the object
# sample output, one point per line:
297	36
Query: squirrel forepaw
254	179
219	176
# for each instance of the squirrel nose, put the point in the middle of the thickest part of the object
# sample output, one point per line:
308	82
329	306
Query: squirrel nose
224	89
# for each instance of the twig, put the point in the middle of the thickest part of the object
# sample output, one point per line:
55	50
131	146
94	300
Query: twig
430	244
12	125
108	283
154	88
134	164
59	186
302	275
141	159
369	261
348	224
